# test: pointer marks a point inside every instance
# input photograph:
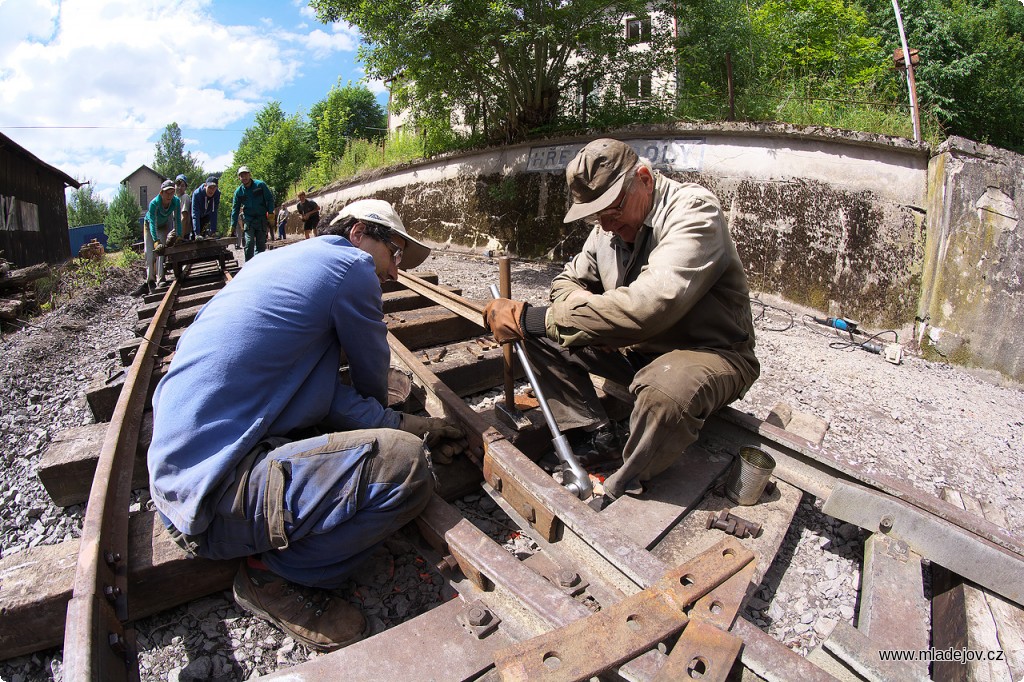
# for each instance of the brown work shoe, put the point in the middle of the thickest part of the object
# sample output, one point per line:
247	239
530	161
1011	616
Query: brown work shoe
314	617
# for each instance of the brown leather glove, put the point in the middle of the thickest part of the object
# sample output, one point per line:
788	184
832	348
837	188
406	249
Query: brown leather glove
444	438
172	238
503	317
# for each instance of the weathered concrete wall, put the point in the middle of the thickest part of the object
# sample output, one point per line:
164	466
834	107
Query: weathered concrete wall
826	218
972	296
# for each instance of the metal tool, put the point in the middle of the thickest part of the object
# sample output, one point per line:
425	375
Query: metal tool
575	477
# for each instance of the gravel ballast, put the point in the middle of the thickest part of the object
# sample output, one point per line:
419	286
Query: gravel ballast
928	423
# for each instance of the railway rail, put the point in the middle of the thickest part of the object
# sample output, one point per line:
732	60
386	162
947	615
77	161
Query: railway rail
649	588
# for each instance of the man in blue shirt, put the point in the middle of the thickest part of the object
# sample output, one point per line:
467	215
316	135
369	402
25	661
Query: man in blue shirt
233	468
205	203
254	200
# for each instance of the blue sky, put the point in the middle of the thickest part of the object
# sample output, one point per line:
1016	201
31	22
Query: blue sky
89	85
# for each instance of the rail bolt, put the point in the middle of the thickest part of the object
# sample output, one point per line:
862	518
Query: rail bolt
112	592
478	616
567	577
885	525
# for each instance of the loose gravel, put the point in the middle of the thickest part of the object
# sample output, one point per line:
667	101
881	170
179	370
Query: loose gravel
930	424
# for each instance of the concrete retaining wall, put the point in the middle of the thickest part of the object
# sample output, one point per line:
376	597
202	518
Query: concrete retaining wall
972	295
826	218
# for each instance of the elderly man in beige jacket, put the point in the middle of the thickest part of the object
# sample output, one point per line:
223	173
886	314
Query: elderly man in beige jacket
657	300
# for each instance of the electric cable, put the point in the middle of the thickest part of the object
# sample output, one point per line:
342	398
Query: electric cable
763	314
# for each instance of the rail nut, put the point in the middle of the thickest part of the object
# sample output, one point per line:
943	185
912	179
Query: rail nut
117	643
885	525
478	619
567	577
477	616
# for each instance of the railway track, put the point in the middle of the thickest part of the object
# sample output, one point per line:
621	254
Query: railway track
648	588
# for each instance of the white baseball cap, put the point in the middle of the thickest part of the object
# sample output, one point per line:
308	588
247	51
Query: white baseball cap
382	213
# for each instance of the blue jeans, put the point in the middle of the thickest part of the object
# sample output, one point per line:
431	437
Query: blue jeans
312	508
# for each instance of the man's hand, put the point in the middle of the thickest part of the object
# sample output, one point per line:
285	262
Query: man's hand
503	318
444	438
172	238
158	248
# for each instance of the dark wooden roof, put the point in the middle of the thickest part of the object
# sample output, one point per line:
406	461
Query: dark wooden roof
14	147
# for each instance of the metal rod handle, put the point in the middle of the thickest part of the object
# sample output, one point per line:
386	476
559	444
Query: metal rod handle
579	484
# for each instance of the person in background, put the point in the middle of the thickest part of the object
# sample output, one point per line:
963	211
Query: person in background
281	462
253	202
657	300
161	227
309	214
282	223
205	203
181	191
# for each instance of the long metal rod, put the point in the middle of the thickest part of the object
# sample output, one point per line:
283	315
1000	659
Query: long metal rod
578	480
911	85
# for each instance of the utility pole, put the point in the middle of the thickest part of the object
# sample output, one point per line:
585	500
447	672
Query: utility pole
909	63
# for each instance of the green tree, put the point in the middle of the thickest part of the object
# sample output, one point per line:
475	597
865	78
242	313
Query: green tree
275	148
172	159
820	42
85	207
347	112
505	65
970	76
122	223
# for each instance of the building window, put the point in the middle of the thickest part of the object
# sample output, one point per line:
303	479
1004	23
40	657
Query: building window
638	30
636	88
143	196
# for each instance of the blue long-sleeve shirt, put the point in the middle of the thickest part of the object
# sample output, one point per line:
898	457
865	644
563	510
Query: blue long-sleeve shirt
224	392
255	201
158	216
203	206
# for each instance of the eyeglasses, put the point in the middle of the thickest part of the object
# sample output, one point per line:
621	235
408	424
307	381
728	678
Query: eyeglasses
613	211
396	251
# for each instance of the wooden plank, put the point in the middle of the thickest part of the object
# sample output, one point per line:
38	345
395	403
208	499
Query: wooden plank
961	619
691	536
37	584
22	276
68	464
863	655
893	610
648	517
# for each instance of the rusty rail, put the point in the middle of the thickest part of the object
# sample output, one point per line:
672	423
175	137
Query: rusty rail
97	644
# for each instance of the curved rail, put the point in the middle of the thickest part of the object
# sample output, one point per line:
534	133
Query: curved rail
97	645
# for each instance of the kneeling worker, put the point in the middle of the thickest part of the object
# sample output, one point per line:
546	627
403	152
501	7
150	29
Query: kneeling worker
657	300
269	456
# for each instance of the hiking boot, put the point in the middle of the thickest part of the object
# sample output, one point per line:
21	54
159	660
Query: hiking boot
314	617
142	290
600	446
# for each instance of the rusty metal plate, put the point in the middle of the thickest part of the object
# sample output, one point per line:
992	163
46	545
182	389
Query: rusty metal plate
720	606
626	629
523	501
703	651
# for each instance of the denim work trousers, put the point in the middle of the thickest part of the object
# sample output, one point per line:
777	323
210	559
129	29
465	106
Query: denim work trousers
255	236
312	508
673	394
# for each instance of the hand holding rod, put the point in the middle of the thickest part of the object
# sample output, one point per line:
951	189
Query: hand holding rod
575	477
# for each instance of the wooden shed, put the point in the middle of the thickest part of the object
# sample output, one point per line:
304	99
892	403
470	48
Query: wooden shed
33	207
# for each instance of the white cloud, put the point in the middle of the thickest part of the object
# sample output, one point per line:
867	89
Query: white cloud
125	69
342	38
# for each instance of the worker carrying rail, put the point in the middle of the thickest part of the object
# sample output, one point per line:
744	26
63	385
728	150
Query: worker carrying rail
656	300
270	456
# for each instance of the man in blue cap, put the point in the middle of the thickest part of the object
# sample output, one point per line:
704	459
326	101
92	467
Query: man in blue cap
205	204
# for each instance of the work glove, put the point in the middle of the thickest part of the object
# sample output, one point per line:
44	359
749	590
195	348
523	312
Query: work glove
442	437
503	317
158	248
172	238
